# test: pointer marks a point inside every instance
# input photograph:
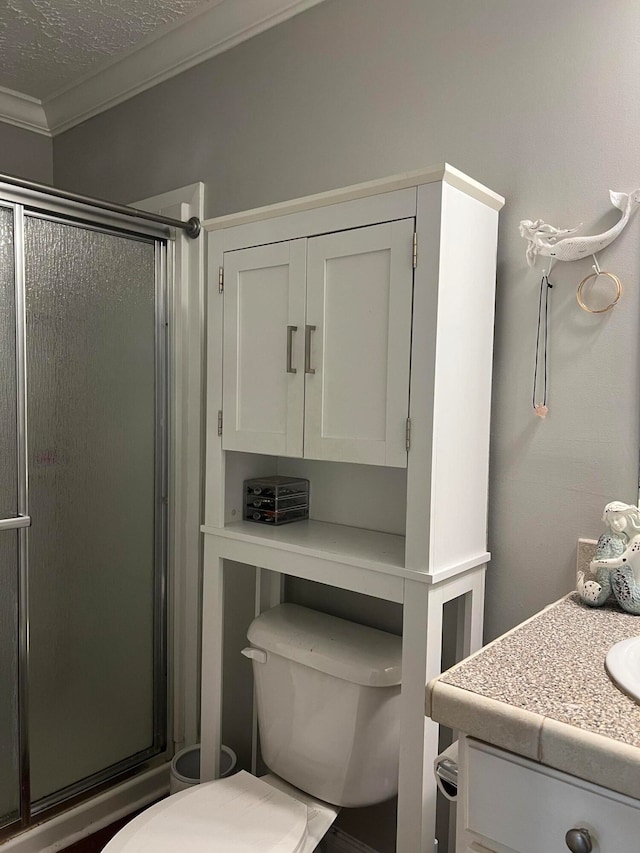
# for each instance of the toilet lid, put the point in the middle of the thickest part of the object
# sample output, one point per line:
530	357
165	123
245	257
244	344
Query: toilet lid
240	814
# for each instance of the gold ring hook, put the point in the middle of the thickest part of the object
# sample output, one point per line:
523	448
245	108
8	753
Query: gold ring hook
614	279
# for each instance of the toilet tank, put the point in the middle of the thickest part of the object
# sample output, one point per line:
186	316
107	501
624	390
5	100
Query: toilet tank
328	694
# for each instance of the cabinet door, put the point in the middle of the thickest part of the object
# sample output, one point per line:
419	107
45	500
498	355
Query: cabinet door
263	350
538	805
359	289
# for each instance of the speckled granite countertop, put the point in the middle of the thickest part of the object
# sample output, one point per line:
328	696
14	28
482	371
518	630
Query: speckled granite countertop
542	691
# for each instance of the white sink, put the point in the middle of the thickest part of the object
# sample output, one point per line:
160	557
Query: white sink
623	666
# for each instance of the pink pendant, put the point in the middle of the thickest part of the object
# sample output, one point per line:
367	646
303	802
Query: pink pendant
541	410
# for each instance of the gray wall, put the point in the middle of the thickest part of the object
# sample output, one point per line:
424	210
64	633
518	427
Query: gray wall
542	104
539	101
25	154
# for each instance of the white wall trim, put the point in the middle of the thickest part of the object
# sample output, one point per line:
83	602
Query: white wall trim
94	814
195	40
186	375
23	111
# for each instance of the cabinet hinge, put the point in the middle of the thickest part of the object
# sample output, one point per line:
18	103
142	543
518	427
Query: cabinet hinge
219	421
220	279
407	434
415	249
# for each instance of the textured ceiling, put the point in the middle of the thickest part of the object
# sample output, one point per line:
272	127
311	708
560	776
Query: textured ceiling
46	45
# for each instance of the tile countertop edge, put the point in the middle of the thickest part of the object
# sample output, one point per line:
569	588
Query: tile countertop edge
594	758
486	719
456	701
587	755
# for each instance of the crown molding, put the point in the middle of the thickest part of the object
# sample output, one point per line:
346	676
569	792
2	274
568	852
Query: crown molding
23	111
197	39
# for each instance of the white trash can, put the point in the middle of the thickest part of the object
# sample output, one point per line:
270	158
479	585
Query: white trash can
446	770
185	767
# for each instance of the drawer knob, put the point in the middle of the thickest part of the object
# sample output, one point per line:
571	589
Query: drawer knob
579	841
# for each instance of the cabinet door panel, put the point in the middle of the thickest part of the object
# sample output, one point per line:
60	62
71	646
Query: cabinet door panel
263	403
359	287
538	805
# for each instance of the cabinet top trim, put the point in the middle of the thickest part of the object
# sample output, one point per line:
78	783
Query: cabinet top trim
446	173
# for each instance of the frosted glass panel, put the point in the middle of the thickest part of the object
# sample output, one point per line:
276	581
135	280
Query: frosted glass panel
90	314
8	471
9	732
9	770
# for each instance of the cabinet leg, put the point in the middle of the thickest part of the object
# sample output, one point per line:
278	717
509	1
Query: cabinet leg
212	652
269	593
269	590
471	616
421	661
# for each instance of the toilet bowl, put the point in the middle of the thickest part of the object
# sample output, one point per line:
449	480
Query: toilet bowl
240	814
327	694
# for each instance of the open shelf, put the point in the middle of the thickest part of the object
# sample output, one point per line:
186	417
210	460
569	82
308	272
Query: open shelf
368	549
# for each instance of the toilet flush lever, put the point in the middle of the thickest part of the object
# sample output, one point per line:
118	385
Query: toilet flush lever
255	654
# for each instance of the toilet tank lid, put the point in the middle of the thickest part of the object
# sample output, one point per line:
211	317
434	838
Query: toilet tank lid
340	648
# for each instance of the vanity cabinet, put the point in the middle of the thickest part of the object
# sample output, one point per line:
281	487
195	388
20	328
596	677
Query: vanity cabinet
350	342
317	335
509	804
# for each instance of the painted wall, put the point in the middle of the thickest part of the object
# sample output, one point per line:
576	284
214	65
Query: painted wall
542	103
25	154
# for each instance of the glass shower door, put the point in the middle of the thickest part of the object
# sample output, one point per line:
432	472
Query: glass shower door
97	699
9	570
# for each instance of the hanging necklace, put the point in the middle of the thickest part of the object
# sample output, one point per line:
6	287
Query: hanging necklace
541	408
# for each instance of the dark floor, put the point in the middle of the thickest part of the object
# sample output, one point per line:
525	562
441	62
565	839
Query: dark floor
96	842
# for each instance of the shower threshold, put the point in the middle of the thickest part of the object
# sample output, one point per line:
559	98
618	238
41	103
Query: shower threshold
79	822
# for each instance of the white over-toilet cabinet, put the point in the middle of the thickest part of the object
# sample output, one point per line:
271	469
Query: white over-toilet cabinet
350	339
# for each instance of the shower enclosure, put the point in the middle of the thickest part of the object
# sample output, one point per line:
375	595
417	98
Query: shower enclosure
83	685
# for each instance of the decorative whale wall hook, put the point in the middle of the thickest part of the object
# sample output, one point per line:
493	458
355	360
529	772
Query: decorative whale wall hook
561	245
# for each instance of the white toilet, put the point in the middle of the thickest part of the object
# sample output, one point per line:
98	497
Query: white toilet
328	711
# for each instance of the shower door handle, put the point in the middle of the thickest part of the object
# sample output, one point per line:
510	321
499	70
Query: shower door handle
15	523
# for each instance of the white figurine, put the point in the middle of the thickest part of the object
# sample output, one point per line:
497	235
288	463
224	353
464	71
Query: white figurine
543	239
616	566
625	576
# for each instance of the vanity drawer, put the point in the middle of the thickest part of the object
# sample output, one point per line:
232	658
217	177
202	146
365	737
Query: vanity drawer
525	807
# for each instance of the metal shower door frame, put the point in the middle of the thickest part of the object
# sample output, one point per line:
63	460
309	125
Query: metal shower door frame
104	223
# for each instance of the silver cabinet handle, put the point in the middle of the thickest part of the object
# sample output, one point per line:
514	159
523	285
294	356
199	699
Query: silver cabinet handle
290	331
307	349
579	841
